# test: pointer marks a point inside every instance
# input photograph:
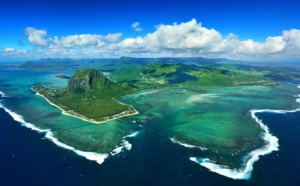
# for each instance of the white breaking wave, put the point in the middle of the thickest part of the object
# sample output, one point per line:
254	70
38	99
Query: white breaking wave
186	145
245	171
99	158
2	94
125	144
20	119
133	135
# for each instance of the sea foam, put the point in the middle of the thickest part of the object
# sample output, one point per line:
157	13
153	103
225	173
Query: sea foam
186	145
99	158
20	119
246	170
2	94
125	144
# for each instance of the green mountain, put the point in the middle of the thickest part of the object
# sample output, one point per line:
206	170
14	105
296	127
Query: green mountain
88	80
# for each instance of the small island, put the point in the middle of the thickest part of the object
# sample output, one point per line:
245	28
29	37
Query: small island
91	96
62	76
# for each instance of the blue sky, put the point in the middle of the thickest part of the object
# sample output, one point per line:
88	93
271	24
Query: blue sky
105	28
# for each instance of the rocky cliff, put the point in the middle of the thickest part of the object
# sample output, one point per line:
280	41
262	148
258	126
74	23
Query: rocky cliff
88	79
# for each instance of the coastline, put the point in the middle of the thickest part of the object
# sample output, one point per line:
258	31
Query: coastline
90	155
86	119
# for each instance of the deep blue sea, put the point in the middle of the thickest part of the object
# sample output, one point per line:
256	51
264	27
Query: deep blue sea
28	158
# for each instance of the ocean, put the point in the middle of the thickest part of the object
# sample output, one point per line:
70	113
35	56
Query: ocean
143	152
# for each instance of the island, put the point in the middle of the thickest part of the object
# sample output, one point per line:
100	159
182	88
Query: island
91	96
62	76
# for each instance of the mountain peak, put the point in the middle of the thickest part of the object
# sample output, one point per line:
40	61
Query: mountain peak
88	79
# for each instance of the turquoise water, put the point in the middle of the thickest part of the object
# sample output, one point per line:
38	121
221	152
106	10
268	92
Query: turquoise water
213	127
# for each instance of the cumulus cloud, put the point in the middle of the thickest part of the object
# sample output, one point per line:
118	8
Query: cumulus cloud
136	26
9	50
81	40
113	38
84	40
192	39
12	53
292	39
39	38
189	36
36	37
187	39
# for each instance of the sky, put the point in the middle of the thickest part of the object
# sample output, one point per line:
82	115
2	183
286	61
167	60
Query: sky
235	29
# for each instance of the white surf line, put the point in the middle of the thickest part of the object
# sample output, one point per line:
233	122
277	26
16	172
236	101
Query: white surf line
246	171
125	144
99	158
3	95
186	145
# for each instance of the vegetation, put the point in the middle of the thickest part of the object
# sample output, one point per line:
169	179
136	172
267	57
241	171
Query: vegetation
157	75
91	95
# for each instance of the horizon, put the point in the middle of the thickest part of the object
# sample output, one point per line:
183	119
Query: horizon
38	60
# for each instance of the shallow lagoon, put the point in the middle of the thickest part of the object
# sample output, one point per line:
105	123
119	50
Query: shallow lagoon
215	119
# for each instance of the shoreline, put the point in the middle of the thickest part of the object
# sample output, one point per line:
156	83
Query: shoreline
93	156
89	155
86	119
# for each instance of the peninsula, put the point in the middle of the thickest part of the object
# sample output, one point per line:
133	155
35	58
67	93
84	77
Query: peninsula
91	96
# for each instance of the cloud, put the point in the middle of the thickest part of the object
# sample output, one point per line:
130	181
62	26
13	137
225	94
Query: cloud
12	53
185	36
113	38
81	40
84	40
192	39
39	38
36	37
187	39
136	27
9	50
292	38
